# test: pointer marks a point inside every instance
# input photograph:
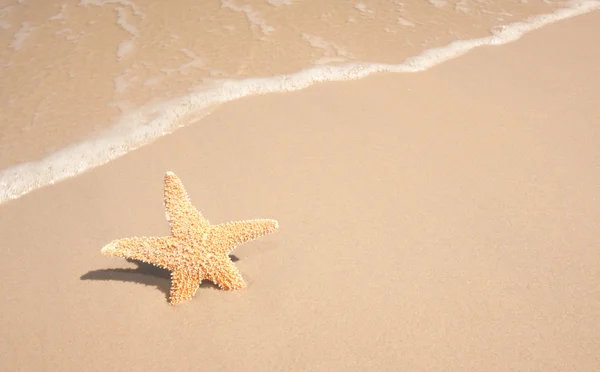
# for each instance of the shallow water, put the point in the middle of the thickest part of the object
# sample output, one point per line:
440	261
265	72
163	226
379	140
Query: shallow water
87	81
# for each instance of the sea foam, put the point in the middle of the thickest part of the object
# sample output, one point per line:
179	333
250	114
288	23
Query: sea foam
142	126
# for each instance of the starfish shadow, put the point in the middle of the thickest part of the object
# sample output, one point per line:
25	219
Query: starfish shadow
146	274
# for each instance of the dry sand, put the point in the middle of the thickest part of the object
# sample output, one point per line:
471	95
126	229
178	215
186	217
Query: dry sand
440	221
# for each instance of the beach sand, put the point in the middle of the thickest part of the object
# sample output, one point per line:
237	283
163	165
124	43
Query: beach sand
439	221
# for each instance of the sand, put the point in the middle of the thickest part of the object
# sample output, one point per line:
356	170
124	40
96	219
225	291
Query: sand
439	221
109	59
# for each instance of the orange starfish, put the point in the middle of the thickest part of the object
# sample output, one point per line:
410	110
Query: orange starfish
196	250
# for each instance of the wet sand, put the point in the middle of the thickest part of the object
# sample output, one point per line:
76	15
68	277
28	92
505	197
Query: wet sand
444	220
110	62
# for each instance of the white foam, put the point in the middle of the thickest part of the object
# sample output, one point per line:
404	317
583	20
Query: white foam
462	6
362	7
195	61
127	3
68	34
152	81
121	84
405	22
139	127
21	35
125	47
122	21
253	16
329	60
438	3
4	12
60	14
320	43
64	31
315	41
280	2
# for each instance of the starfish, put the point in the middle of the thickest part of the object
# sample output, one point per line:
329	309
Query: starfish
195	250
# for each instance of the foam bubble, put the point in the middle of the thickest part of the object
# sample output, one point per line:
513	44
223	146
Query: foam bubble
159	119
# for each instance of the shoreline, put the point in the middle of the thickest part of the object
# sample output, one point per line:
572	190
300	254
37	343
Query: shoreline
444	220
146	53
110	144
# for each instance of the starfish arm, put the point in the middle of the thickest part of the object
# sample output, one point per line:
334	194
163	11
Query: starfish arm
184	285
232	234
179	210
227	276
156	251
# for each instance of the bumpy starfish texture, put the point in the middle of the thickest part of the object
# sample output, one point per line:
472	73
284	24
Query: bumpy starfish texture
196	250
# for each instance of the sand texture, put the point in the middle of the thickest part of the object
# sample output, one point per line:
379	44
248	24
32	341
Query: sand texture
77	69
439	221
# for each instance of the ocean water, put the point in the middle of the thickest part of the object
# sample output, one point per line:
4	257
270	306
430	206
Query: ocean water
84	82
